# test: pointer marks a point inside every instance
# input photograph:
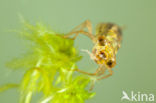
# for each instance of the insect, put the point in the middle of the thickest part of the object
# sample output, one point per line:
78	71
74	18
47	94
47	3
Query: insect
106	40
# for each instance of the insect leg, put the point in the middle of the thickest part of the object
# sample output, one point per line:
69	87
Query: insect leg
86	24
92	85
106	76
90	54
81	71
100	71
80	29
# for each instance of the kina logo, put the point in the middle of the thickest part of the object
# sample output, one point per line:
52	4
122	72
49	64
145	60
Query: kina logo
138	96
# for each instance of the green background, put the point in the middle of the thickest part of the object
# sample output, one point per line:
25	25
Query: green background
136	60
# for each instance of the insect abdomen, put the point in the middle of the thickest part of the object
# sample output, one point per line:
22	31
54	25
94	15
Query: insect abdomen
111	32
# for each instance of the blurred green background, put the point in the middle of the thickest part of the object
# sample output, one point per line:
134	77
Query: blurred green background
135	69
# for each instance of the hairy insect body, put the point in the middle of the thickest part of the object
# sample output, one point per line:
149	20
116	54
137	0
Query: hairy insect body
108	38
106	41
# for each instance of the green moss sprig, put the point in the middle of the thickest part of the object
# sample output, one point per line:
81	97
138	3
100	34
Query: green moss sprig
50	62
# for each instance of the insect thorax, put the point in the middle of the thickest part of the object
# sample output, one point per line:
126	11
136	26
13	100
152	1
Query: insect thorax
104	54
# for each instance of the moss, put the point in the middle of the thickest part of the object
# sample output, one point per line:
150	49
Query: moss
50	62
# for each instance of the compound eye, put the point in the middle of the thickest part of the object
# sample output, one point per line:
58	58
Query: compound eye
111	63
101	41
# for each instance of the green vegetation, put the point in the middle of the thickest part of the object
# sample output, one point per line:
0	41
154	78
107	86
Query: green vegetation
49	65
